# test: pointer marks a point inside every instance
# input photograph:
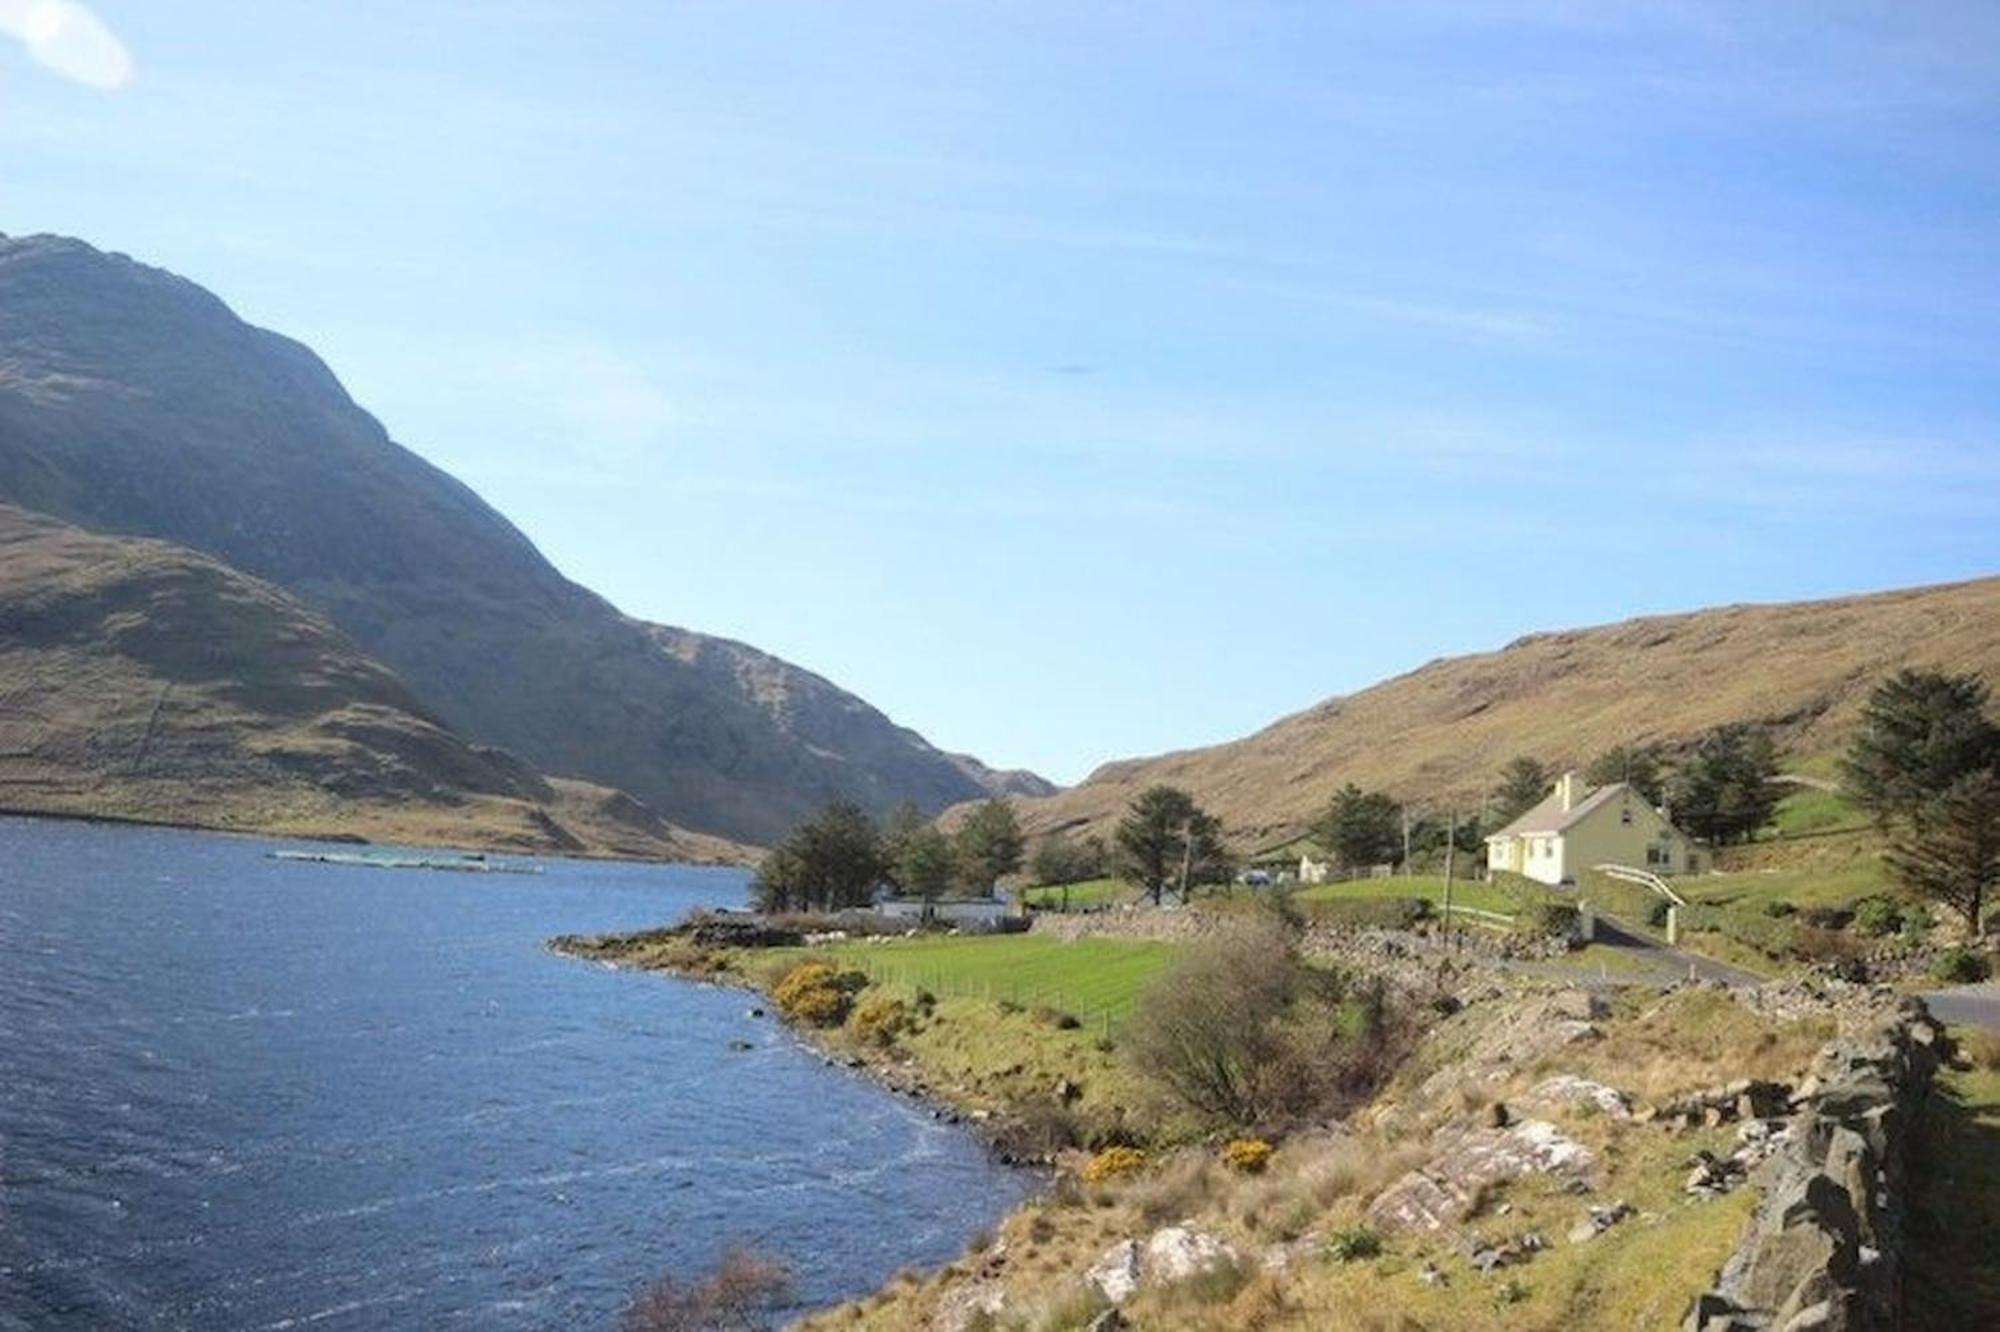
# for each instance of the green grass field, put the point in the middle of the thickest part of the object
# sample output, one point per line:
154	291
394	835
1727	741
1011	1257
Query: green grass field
1098	980
1809	810
1750	890
1090	893
1464	892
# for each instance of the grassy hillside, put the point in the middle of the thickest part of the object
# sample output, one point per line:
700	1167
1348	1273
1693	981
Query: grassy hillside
1441	733
140	680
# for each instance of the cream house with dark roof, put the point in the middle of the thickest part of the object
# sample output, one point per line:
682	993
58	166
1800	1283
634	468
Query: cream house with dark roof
1577	828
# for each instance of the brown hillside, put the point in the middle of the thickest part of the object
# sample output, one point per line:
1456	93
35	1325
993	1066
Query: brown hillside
1441	733
132	401
141	680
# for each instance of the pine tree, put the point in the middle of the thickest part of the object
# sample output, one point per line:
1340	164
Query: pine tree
989	844
1638	766
1360	827
1523	783
1920	732
1949	850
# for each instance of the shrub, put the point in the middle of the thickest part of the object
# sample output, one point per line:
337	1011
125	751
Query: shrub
1778	908
1960	966
1877	916
816	994
741	1292
1054	1017
1038	1132
1918	921
1240	1030
1113	1163
1353	1245
879	1019
1249	1155
1549	920
1827	917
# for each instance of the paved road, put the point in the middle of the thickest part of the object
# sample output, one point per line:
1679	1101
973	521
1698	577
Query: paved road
1675	962
1967	1005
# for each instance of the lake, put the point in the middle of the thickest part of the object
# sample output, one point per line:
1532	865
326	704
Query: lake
237	1092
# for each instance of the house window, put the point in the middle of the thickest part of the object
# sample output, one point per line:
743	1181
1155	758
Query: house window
1625	816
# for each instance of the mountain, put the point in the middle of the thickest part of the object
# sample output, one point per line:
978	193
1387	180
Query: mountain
134	402
1439	735
142	680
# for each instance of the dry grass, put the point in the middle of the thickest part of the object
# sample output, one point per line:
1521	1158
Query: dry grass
145	682
1443	732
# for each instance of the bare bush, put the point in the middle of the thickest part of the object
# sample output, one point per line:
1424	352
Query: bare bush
1241	1030
740	1294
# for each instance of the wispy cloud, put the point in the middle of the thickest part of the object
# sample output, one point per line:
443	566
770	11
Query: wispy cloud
67	37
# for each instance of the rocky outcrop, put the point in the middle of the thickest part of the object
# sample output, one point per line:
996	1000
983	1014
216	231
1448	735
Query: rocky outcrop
1170	1254
1824	1249
1444	1189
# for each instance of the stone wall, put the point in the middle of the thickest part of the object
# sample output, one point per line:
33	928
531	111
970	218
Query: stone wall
1824	1249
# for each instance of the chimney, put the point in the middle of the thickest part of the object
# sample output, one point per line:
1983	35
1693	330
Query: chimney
1568	791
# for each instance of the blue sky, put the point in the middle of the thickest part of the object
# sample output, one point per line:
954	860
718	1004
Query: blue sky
1081	380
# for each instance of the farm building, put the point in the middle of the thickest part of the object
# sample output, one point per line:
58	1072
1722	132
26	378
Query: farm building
1577	827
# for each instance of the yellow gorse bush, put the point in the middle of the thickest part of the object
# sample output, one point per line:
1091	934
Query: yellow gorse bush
813	993
1249	1155
879	1019
1113	1163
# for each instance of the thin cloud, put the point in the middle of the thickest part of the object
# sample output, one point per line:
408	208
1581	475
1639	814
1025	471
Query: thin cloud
67	37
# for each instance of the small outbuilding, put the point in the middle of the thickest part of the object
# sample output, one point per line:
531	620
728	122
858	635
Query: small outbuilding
1577	827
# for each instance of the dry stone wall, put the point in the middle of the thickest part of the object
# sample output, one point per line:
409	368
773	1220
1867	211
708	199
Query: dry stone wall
1824	1249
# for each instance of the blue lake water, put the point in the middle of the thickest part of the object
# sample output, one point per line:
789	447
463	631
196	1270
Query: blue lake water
243	1093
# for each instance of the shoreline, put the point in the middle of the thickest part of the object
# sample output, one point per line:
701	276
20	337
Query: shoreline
956	1106
356	839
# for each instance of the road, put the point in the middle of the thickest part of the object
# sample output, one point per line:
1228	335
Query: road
1676	962
1967	1005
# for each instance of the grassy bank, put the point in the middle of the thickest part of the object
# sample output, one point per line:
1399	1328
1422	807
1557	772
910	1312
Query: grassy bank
1017	1031
1953	1280
1469	893
1097	980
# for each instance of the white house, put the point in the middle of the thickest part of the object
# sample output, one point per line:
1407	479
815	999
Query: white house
1577	827
965	912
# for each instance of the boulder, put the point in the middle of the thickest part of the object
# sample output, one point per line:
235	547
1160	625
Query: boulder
1442	1191
1116	1272
1175	1253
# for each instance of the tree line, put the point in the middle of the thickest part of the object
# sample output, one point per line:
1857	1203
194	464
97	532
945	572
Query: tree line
836	859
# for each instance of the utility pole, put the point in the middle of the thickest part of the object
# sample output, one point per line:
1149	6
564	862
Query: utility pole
1187	858
1450	845
1404	810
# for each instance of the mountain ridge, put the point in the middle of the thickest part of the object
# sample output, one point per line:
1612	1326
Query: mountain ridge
1438	734
143	681
134	402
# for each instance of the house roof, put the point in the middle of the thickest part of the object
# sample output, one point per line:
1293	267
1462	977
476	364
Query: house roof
1550	817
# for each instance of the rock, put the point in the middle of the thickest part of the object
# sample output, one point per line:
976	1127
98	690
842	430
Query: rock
1116	1272
1175	1253
1496	1114
1598	1220
1431	1275
741	1045
1442	1191
1567	1090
